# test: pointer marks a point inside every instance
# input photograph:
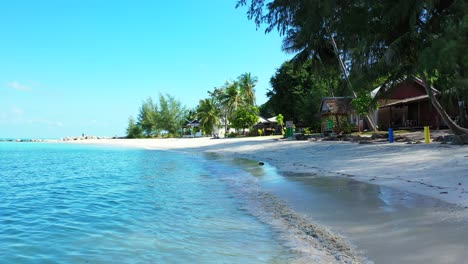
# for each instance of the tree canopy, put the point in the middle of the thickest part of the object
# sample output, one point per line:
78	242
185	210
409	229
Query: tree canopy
134	130
228	100
244	117
153	119
297	92
208	114
377	40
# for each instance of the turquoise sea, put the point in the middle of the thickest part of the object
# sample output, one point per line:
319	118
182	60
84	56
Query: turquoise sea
62	203
66	203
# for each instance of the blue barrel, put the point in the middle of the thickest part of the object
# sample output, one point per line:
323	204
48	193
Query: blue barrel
390	135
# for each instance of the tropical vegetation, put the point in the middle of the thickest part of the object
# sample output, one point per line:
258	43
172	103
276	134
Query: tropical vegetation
341	48
156	119
231	105
234	104
373	41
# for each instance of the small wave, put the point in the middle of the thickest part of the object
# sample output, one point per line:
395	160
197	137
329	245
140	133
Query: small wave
310	242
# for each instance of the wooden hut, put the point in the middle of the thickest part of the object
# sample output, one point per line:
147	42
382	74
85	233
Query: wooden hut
405	105
337	115
269	126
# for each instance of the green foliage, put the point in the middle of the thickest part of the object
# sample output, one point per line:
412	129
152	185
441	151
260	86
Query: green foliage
187	116
363	103
166	117
347	127
297	91
148	117
247	84
170	114
280	120
134	130
379	41
261	131
231	97
244	117
232	135
266	110
208	115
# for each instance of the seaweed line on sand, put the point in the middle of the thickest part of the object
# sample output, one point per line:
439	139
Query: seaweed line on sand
316	241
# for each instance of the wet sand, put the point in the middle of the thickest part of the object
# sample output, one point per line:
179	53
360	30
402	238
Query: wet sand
387	225
383	224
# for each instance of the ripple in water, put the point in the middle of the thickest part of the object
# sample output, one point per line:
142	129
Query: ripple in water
83	204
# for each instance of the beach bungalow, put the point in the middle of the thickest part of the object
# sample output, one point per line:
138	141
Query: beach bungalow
404	105
269	125
337	115
274	127
192	129
262	124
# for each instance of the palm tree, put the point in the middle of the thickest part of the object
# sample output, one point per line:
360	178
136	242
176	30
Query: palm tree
232	98
208	115
247	84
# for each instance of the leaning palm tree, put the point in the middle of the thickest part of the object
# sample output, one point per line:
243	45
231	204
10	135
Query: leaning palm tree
208	115
247	84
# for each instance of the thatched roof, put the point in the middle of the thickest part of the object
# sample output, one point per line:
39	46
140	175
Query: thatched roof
273	119
262	120
336	105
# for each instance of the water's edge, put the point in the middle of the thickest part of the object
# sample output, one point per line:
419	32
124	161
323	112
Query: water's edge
380	223
311	241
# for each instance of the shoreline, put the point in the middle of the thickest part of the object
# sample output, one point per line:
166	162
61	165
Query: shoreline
435	170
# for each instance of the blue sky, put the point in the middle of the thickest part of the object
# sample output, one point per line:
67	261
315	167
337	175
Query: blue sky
84	66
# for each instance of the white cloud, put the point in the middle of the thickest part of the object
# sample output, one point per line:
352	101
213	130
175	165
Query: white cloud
18	86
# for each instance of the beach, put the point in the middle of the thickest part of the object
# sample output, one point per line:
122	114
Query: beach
435	170
377	202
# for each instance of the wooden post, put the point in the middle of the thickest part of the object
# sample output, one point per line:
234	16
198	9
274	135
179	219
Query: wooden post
391	117
427	135
419	114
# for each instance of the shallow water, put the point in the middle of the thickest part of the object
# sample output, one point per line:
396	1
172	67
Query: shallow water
385	224
83	204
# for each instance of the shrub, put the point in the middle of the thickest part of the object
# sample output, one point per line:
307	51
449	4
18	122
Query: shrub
261	131
232	135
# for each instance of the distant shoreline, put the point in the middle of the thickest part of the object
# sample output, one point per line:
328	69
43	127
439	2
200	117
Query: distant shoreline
434	170
25	140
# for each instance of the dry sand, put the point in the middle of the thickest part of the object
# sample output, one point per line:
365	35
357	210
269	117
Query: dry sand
436	170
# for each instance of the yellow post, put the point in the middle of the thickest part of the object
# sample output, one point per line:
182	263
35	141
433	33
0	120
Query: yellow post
427	135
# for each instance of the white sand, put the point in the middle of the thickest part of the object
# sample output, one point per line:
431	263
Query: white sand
436	170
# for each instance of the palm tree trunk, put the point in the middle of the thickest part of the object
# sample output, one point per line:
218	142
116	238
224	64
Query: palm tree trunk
367	117
359	123
225	126
456	129
461	109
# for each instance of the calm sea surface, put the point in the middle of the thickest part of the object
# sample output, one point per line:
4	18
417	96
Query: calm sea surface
64	203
